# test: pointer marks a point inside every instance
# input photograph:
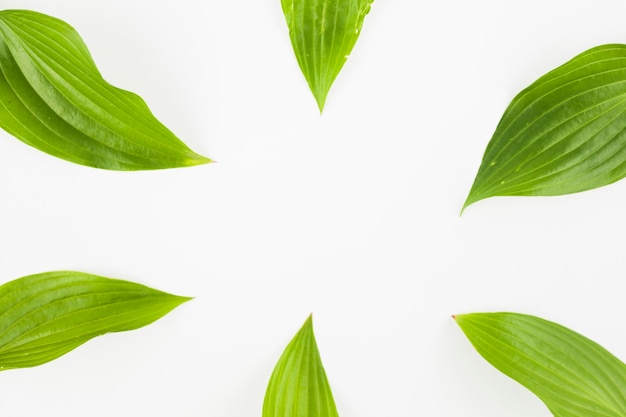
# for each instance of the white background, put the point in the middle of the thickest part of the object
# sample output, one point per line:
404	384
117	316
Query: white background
353	216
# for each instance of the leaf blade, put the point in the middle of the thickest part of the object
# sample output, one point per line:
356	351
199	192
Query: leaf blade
54	98
44	316
572	375
298	385
323	34
563	134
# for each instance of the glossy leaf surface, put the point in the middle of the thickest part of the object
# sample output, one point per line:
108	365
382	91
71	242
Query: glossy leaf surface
46	315
298	386
53	98
572	375
563	134
323	33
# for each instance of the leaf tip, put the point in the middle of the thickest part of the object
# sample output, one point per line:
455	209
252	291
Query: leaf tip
471	199
183	299
459	319
309	321
175	301
197	159
320	103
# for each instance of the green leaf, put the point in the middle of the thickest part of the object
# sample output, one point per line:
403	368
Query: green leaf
298	386
323	33
563	134
46	315
53	98
572	375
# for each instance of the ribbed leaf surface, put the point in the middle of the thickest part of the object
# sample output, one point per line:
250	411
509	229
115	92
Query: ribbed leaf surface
572	375
298	386
563	134
323	33
53	97
46	315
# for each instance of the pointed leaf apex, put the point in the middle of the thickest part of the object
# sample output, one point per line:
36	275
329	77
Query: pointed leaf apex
198	159
299	386
321	101
323	33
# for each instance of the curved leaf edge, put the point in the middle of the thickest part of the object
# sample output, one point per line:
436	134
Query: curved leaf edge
321	82
600	369
34	301
298	384
477	191
92	152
